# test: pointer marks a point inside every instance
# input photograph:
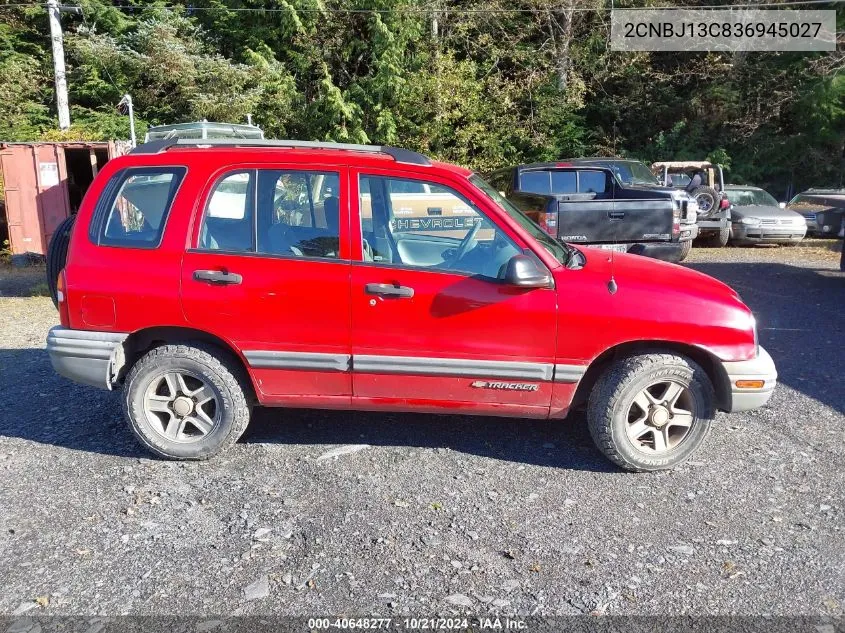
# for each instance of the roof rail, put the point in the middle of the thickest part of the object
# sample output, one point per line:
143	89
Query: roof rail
397	153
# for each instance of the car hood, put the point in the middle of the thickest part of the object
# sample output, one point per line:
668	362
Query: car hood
646	272
763	212
651	300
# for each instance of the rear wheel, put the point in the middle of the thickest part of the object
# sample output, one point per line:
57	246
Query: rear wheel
724	235
57	255
186	401
686	247
651	412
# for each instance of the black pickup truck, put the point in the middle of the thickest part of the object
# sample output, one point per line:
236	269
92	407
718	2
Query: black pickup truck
583	201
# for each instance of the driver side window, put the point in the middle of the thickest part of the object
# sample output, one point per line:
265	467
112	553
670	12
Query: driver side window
409	222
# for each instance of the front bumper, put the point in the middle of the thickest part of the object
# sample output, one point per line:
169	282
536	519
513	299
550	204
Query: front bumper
757	369
768	234
86	357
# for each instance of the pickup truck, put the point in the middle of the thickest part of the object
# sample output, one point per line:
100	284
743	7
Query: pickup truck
584	201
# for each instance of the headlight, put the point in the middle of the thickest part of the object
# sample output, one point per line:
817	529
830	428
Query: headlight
750	221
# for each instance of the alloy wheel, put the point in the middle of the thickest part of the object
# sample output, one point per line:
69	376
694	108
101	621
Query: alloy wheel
660	416
181	406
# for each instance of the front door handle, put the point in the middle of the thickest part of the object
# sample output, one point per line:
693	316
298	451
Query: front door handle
218	277
616	215
389	290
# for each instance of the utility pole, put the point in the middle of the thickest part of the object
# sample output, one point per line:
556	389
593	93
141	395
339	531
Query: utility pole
59	64
125	107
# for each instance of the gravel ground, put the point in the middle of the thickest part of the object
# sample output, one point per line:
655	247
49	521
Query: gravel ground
429	514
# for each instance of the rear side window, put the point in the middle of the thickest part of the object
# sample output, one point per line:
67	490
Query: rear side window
592	182
134	207
535	182
292	213
549	181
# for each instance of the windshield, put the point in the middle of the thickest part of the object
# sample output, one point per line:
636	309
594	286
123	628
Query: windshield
556	249
632	172
751	197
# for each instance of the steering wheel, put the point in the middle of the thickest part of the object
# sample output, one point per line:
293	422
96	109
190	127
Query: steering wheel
466	243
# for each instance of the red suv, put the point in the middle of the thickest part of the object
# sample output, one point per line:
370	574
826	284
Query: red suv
209	278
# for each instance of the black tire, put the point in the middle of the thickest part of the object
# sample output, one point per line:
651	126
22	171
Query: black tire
222	374
721	240
57	255
612	399
705	193
686	247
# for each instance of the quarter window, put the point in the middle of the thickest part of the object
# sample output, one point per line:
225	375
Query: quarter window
137	211
434	227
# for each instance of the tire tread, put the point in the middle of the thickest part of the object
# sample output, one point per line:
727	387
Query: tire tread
608	389
231	374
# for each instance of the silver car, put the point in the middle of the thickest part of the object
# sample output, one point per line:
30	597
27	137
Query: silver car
756	218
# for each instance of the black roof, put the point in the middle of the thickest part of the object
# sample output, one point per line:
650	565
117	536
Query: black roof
566	162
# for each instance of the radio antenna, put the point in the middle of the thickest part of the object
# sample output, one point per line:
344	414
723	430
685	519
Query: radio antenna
611	284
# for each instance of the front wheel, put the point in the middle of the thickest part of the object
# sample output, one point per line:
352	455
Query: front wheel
651	412
186	401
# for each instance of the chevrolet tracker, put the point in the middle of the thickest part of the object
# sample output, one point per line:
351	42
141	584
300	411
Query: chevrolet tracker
204	280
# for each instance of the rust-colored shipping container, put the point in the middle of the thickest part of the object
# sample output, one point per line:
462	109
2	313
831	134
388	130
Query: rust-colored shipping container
44	183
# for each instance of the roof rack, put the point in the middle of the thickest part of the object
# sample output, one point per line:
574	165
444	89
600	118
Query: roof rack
397	153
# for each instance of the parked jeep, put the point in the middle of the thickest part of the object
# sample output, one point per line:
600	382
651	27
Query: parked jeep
206	280
705	182
823	210
585	201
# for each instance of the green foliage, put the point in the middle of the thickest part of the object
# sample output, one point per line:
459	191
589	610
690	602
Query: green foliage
486	88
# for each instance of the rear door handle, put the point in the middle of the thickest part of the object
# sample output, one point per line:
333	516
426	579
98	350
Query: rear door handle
616	215
389	290
218	277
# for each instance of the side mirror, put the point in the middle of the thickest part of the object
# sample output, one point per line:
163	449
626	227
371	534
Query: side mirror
782	205
524	272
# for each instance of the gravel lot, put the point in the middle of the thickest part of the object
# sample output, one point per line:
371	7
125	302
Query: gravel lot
434	514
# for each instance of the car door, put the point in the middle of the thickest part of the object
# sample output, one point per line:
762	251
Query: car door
268	271
433	327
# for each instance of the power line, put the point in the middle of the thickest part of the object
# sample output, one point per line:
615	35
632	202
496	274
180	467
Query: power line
97	57
425	11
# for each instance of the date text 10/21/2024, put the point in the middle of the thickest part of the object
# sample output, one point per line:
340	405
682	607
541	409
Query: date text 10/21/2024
492	623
